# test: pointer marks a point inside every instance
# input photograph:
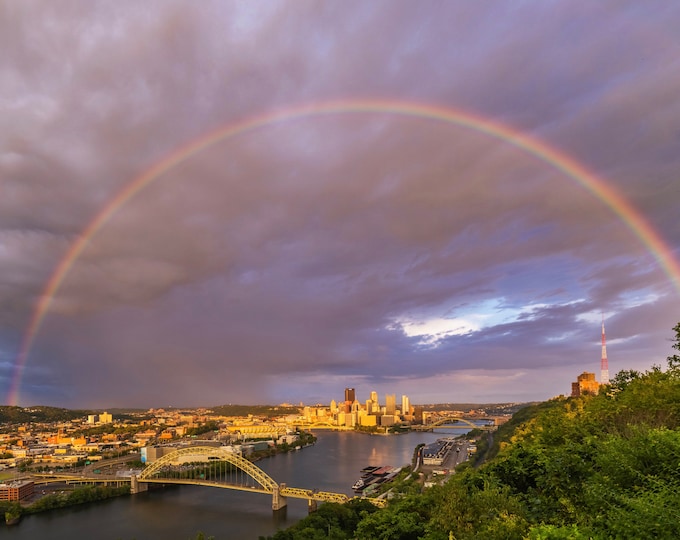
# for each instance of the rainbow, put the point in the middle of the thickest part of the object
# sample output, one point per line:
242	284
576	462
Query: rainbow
532	146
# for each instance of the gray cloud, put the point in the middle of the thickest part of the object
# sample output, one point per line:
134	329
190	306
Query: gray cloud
298	253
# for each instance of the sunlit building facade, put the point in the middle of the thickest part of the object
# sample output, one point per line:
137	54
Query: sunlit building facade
390	404
405	406
585	384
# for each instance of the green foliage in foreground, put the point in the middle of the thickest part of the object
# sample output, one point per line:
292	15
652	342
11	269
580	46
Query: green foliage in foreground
605	466
331	520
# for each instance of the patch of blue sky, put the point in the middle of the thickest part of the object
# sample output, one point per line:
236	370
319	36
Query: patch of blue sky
446	321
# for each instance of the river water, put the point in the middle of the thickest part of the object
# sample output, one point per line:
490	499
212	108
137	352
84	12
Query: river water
180	512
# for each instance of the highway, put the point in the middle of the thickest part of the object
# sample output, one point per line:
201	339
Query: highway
109	466
457	455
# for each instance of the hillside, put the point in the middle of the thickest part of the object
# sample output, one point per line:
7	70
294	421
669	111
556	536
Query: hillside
604	466
10	414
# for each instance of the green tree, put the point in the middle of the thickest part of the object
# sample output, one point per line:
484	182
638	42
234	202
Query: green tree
474	505
554	532
404	519
13	511
201	536
623	378
331	520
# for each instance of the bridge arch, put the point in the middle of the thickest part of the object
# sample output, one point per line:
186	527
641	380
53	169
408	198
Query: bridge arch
450	419
267	482
317	425
268	485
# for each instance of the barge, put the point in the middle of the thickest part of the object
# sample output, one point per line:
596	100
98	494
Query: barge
372	477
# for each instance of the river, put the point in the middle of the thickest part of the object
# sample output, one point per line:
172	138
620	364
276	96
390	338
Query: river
178	513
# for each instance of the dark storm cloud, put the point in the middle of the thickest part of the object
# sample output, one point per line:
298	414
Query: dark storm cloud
314	251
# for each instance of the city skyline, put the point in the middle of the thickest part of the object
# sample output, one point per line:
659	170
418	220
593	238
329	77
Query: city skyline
238	203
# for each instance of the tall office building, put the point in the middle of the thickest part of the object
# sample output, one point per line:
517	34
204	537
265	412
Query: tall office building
350	395
374	405
390	404
405	405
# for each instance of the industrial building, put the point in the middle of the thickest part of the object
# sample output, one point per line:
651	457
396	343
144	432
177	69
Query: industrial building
436	452
16	491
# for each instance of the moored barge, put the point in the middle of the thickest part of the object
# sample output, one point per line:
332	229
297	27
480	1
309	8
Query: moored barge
374	476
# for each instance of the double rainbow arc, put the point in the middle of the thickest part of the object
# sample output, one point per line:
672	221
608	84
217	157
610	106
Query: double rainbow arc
632	218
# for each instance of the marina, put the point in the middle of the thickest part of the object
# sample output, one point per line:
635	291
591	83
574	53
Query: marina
374	476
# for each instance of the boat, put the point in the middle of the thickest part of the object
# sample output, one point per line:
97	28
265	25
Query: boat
382	471
372	476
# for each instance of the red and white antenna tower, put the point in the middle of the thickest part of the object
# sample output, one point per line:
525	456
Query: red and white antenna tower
604	366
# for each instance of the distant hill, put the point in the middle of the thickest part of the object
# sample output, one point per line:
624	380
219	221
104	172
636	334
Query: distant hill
488	408
255	410
10	414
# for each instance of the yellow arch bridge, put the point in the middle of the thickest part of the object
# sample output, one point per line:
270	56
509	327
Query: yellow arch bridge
446	423
214	467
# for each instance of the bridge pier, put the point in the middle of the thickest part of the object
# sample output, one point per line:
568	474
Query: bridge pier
136	486
279	502
312	505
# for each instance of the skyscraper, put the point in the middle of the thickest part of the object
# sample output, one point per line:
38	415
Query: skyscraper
390	404
405	405
350	395
375	406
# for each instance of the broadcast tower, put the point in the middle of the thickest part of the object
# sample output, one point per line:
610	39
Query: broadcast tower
604	366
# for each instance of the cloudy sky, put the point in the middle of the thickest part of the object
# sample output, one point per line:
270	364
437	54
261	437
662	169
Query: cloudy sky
366	248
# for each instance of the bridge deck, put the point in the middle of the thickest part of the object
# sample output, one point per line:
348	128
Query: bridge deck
218	468
292	492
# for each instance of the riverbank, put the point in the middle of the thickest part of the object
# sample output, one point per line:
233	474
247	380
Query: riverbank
14	511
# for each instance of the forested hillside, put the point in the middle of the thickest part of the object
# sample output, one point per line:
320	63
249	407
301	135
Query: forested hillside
604	466
21	415
256	410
